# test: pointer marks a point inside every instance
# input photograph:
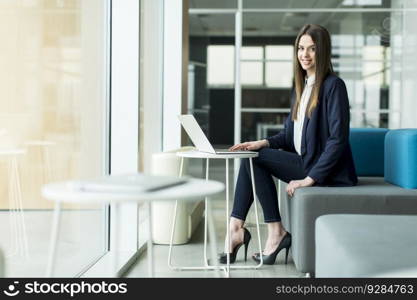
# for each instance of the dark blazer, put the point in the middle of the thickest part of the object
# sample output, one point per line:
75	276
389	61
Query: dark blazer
325	148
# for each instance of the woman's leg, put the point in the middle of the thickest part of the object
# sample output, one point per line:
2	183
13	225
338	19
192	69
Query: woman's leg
276	232
236	233
281	164
285	166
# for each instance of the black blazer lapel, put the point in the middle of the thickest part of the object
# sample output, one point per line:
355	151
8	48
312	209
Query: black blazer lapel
303	136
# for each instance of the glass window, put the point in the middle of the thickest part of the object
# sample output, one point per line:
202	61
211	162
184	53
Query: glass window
252	67
220	61
279	73
257	126
373	67
279	52
362	2
52	99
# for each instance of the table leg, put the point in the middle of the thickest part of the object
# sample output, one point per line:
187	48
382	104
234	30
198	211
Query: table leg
208	230
21	222
213	242
174	222
256	210
172	236
13	212
115	240
181	167
206	217
54	239
150	243
228	240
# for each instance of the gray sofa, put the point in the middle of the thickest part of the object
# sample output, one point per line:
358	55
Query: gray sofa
372	195
366	246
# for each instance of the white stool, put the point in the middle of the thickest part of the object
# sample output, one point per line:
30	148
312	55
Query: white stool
226	157
188	213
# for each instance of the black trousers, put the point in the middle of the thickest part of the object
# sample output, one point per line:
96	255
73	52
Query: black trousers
284	165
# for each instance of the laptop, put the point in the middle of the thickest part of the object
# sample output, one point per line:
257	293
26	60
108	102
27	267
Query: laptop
199	139
131	183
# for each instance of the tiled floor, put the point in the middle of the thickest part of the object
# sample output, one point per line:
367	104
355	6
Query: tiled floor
191	254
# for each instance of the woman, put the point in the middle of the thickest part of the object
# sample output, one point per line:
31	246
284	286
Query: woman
312	149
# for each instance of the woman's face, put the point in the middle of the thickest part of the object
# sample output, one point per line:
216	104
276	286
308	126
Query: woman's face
307	54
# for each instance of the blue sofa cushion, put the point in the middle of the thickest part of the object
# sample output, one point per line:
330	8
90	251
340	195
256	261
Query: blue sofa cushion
401	158
368	150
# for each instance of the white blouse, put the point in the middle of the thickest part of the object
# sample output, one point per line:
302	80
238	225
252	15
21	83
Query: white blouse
298	124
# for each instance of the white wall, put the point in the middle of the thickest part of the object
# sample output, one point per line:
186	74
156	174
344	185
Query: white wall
151	80
124	84
94	134
175	71
125	114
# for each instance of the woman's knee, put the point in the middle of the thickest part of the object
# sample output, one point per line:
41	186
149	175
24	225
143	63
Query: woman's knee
262	155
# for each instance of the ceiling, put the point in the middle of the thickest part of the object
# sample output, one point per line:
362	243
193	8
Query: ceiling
285	23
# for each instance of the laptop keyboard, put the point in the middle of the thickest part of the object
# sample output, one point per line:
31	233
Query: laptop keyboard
226	151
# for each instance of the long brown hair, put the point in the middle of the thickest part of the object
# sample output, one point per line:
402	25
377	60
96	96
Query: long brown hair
321	39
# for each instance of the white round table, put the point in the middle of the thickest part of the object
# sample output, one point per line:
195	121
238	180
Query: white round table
64	192
207	156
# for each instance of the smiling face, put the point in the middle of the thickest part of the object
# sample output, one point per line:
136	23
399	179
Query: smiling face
306	54
312	56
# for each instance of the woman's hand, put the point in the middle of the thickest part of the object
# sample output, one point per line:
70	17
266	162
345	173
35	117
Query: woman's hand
251	146
295	184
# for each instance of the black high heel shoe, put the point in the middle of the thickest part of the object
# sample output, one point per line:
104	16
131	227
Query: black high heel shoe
246	240
270	259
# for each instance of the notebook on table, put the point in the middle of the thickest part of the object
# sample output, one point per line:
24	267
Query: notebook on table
132	183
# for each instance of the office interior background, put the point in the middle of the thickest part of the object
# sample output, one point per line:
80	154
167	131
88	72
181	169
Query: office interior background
92	87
